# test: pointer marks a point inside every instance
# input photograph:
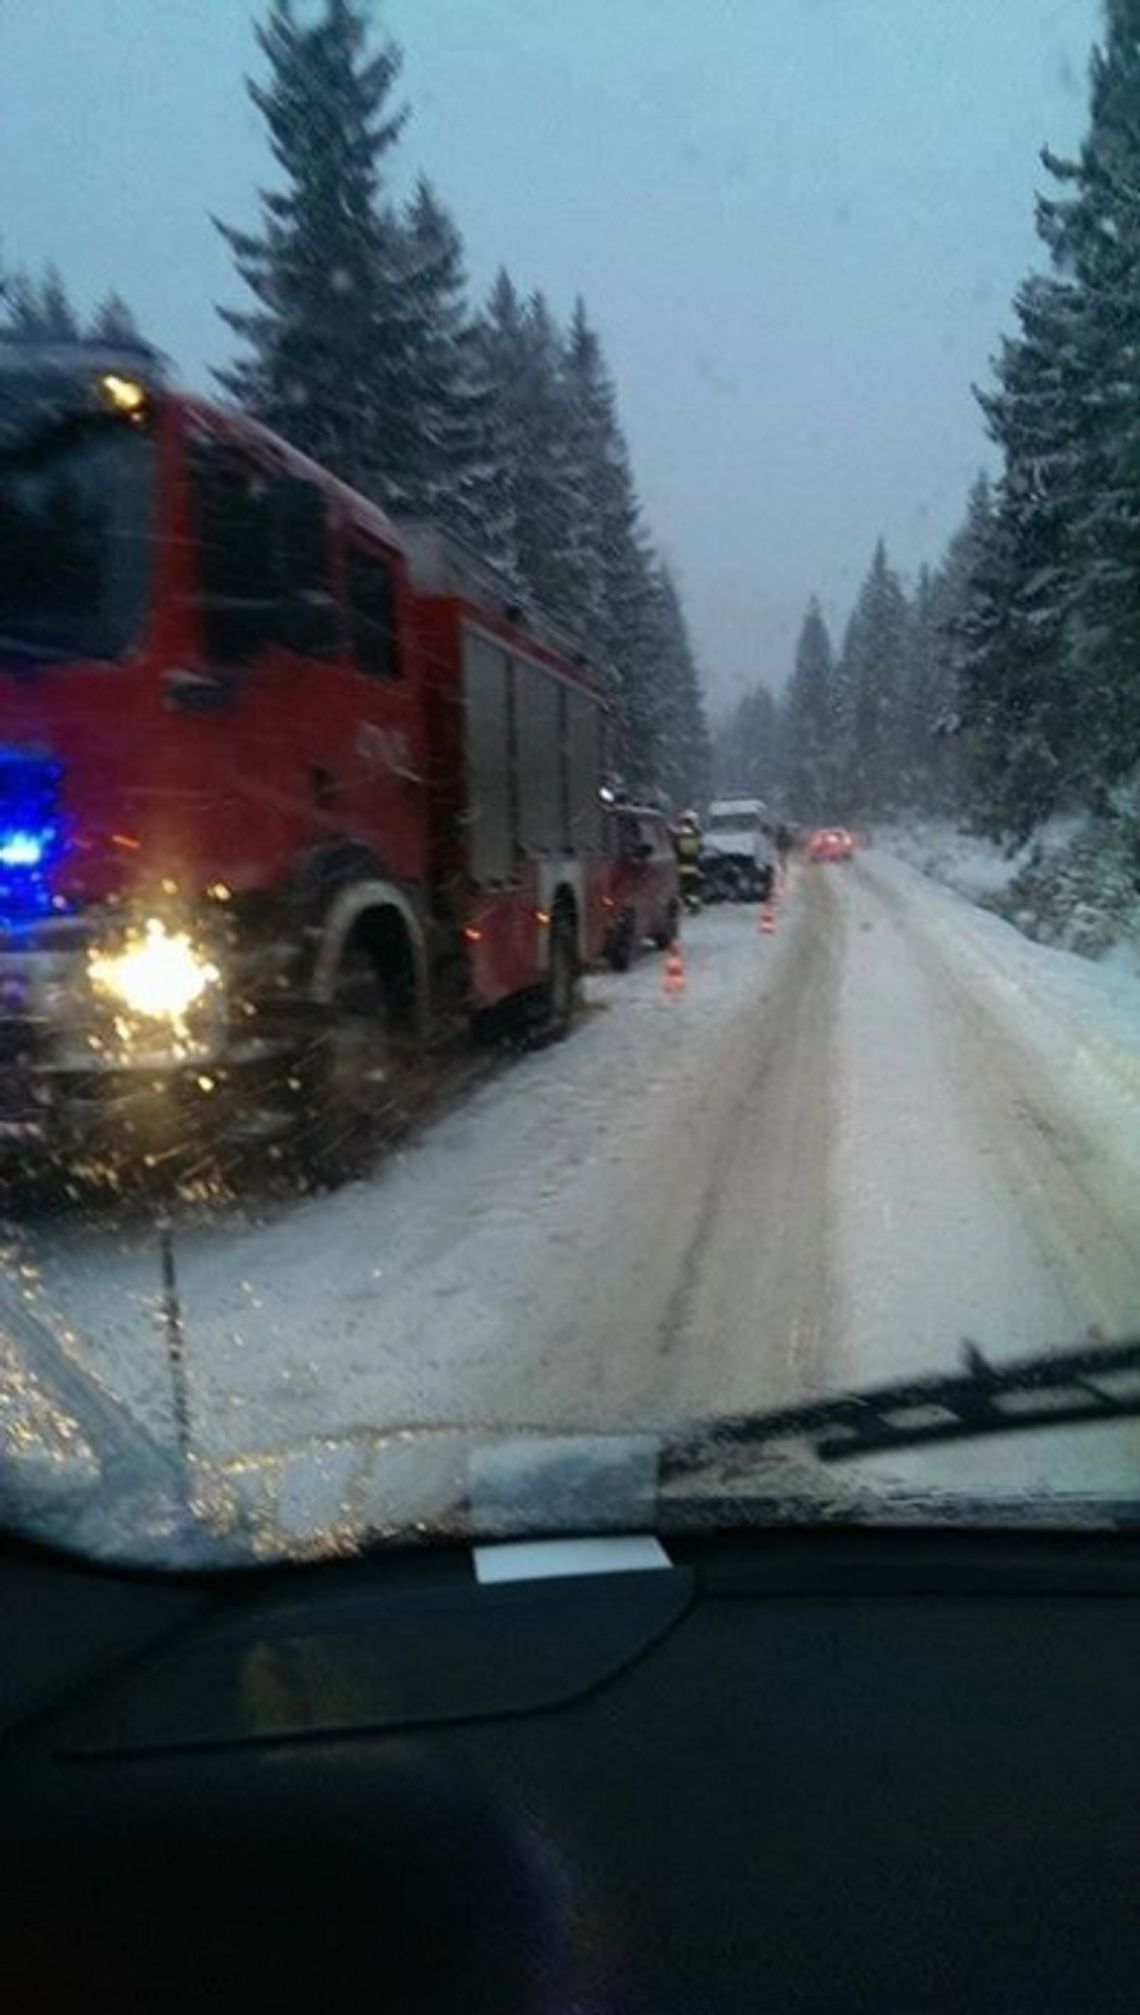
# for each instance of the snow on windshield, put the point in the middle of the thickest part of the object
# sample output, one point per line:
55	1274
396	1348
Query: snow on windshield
387	1048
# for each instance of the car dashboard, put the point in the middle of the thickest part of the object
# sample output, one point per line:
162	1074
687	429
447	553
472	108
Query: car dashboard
755	1771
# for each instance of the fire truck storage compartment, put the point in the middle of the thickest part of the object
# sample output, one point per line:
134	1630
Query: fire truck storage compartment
584	768
538	738
487	724
533	761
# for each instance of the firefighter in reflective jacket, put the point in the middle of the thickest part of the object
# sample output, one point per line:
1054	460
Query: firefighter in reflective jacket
687	845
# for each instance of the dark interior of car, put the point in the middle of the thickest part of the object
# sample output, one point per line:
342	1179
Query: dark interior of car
786	1770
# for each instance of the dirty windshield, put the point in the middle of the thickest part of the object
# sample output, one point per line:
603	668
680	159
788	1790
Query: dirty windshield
569	769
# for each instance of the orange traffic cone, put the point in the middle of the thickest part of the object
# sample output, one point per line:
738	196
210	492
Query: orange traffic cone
674	969
767	920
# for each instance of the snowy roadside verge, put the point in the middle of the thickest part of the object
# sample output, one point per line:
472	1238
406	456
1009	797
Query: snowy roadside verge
972	866
1074	886
1081	1018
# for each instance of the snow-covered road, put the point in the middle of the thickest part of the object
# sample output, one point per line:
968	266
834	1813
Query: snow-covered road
844	1148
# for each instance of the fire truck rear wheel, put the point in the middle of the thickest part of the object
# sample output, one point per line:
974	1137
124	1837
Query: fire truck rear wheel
348	1079
564	982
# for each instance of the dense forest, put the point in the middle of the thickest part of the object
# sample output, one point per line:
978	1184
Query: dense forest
1005	688
359	341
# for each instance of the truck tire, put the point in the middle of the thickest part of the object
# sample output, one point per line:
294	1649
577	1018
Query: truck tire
670	929
619	953
564	979
348	1079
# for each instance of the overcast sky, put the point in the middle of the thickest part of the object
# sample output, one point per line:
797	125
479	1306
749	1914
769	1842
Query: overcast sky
798	224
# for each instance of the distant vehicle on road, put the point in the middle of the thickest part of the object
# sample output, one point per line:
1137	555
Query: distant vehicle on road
642	898
831	843
739	857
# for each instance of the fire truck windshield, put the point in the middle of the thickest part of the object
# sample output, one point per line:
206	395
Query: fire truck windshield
76	509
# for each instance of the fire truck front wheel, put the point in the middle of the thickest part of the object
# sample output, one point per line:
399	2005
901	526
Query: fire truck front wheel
348	1078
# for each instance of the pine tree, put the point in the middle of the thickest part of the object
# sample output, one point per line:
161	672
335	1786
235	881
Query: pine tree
446	474
747	754
1093	235
873	660
549	520
602	477
1017	698
809	721
684	753
331	334
615	570
113	322
1050	696
918	702
526	499
940	620
39	310
498	342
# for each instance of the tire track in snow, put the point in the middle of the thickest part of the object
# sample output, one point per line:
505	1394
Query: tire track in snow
752	1314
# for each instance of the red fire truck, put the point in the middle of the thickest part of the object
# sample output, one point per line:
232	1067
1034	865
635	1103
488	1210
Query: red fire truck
284	791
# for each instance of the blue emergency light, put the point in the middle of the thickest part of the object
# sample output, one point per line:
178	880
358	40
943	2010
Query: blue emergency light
32	837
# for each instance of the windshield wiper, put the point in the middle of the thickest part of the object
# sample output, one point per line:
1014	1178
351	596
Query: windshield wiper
1068	1388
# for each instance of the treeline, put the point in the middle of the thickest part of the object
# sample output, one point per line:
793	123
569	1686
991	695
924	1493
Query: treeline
39	310
1007	687
873	727
361	344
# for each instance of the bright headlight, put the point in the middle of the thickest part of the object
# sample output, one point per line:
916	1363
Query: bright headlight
158	973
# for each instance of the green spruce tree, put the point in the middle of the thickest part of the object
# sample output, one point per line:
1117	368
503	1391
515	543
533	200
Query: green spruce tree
39	311
1017	697
809	722
113	322
1092	231
684	753
330	337
615	569
747	748
873	662
1050	697
444	473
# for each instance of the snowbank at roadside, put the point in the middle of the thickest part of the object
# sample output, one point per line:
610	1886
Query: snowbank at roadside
1081	1017
1075	885
975	867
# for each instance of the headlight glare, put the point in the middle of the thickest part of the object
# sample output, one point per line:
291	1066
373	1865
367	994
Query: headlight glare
156	973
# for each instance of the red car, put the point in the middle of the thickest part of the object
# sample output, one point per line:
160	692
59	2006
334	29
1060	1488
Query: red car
831	843
642	897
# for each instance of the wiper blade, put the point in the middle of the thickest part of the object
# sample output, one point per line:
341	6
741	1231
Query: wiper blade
1055	1389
